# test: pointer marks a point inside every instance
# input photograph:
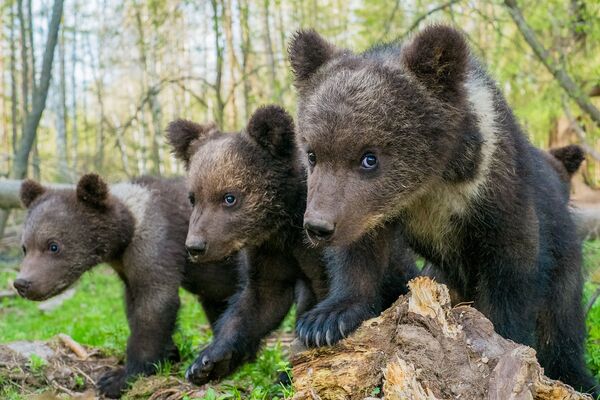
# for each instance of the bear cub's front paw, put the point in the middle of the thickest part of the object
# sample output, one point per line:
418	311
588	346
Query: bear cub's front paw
329	322
214	362
113	383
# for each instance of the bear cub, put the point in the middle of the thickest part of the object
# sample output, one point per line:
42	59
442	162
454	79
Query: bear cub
417	136
139	228
249	192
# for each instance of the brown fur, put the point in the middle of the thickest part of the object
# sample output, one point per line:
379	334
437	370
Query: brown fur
138	228
454	173
260	168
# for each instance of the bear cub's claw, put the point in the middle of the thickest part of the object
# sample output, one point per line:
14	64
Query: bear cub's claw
212	363
113	383
330	322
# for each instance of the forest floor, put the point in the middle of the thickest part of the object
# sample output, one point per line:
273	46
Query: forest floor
94	316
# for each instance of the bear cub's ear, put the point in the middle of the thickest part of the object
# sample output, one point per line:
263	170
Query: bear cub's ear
92	191
273	129
30	190
183	137
307	52
570	156
438	56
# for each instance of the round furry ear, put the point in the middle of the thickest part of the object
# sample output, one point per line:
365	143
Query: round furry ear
93	191
30	190
438	56
307	52
273	129
570	156
183	137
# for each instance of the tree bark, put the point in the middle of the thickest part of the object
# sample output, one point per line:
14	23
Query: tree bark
14	94
74	125
246	49
24	63
40	96
220	107
61	115
268	43
231	60
422	348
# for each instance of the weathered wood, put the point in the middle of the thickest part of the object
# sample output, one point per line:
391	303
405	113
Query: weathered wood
422	348
587	220
9	192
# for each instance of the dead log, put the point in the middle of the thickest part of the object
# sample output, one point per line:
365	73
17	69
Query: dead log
9	192
422	348
587	220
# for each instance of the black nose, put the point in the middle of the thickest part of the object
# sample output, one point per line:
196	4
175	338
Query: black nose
22	286
319	229
196	248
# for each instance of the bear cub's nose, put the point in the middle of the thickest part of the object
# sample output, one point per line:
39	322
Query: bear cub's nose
319	229
197	248
22	286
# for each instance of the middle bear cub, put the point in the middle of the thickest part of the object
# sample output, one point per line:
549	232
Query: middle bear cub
248	192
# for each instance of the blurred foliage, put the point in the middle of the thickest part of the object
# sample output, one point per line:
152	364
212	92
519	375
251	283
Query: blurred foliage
131	67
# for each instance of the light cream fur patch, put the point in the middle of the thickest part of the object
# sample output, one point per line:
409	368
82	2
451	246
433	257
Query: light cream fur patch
135	197
430	214
482	102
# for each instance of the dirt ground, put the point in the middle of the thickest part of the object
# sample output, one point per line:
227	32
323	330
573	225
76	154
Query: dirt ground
64	375
53	370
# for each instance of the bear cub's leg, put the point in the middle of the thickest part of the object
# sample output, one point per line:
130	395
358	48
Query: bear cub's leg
152	315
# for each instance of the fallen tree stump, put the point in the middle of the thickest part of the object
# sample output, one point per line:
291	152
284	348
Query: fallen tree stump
421	348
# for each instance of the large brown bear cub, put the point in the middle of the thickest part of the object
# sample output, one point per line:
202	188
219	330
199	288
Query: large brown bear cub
417	135
139	228
248	190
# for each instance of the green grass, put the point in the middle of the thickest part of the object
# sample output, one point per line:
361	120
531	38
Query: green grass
95	316
592	269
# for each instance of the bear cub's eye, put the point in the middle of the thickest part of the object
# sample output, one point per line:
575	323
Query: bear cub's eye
312	158
53	247
192	198
369	161
229	200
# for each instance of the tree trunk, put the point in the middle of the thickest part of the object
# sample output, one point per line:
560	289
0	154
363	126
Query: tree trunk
40	96
422	348
14	94
220	106
61	115
74	126
148	83
14	111
273	84
31	47
24	63
246	49
231	61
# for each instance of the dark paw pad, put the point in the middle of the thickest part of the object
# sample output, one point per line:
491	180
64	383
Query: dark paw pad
327	324
212	363
113	383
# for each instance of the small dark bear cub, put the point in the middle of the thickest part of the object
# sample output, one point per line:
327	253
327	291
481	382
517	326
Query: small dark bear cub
418	136
248	190
139	228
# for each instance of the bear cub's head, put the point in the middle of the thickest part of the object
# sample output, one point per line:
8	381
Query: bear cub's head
66	232
239	183
375	129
